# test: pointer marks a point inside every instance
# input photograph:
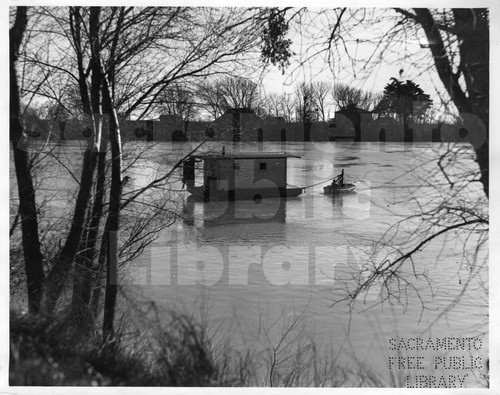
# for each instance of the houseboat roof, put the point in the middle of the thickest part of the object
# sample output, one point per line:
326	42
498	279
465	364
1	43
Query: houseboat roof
245	155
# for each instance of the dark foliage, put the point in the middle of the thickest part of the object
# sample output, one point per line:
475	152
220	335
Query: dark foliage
276	48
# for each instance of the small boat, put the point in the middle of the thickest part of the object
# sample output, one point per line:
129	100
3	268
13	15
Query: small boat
339	186
329	189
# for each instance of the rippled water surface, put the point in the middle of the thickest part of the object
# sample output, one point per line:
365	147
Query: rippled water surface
251	270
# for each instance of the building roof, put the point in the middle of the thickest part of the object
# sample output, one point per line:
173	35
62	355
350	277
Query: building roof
245	155
354	109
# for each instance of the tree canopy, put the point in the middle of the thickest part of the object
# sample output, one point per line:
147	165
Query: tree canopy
405	99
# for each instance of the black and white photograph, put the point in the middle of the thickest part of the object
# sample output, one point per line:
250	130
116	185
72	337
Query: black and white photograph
248	195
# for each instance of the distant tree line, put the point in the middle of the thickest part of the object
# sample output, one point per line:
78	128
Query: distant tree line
209	99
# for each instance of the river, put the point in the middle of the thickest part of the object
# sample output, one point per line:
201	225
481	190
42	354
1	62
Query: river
275	274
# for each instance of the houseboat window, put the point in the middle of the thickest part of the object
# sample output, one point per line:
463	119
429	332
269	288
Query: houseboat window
236	166
263	166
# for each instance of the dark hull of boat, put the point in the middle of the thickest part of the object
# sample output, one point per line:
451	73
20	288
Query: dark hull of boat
330	190
197	193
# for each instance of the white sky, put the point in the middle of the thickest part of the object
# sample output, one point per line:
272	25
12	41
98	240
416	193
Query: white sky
316	68
374	79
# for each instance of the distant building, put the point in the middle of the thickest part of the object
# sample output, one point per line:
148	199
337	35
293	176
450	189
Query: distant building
242	124
354	115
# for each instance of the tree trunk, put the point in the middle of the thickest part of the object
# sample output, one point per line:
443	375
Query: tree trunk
33	260
59	274
474	39
86	267
472	31
113	216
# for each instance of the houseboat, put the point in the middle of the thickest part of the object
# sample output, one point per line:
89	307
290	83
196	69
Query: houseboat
240	176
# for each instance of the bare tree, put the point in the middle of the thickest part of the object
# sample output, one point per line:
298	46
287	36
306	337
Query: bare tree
455	50
289	105
212	99
307	109
228	92
274	105
179	99
239	92
105	53
346	96
27	205
311	101
452	211
321	92
283	105
469	29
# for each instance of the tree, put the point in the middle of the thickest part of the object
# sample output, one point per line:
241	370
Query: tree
116	58
307	110
228	92
450	43
283	105
123	59
453	45
275	47
33	260
239	92
321	90
347	97
312	101
178	99
212	99
404	99
469	30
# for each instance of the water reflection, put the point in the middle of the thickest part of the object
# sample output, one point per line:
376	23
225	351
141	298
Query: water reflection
220	213
354	204
252	260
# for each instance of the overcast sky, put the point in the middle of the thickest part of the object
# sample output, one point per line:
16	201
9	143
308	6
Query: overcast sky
307	68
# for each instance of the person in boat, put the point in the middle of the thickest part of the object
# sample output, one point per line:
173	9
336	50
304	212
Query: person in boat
338	182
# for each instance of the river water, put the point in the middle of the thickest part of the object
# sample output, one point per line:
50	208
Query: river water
276	274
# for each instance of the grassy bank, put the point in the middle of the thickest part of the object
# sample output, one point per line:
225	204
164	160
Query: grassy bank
47	352
51	352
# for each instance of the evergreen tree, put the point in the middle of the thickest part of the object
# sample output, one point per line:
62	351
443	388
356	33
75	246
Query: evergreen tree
406	100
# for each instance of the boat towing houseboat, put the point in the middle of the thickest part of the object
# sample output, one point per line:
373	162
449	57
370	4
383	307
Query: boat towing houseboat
339	186
240	176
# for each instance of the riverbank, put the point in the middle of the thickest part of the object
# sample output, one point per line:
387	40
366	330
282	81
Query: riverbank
55	352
